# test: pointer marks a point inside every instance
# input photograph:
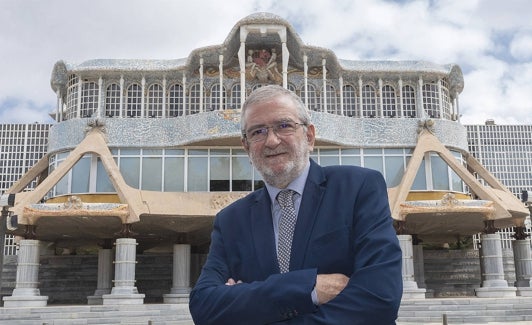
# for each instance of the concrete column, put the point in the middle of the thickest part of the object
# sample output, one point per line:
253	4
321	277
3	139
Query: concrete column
26	292
523	266
124	291
181	276
410	288
105	273
492	270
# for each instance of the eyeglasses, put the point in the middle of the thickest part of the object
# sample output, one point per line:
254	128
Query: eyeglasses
280	129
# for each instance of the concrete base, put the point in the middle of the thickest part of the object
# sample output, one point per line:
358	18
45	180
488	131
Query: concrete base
25	301
524	291
127	299
495	292
176	298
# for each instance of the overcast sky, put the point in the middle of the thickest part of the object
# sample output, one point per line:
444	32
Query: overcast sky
491	40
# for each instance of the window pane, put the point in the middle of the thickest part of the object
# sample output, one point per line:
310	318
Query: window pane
219	174
351	160
80	176
374	162
174	169
103	183
130	169
151	173
197	174
440	176
329	160
394	170
420	182
242	173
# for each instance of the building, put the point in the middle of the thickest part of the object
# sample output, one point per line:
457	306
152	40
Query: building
145	152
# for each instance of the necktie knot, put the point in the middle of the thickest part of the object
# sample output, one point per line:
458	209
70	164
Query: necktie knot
285	198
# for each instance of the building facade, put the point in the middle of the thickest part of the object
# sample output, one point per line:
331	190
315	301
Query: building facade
144	153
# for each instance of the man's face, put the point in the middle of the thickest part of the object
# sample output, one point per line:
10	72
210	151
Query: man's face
279	158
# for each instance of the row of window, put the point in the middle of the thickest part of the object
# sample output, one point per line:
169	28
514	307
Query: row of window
229	169
82	100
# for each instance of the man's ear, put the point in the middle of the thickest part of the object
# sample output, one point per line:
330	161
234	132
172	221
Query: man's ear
245	144
311	135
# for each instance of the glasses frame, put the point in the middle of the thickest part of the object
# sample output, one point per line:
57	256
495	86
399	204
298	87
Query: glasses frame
275	128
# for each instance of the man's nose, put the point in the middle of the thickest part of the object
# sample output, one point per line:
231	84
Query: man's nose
271	138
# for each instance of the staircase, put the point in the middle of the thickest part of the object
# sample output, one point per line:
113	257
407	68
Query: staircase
465	310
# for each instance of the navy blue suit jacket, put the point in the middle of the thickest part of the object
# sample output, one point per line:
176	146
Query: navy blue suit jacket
343	226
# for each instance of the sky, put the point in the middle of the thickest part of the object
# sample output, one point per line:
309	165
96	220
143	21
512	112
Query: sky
491	40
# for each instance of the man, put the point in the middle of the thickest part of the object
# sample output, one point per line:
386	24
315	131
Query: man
344	259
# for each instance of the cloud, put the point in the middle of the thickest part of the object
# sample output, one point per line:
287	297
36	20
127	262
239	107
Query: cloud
489	39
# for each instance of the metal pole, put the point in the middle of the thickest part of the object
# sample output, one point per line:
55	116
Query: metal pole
3	226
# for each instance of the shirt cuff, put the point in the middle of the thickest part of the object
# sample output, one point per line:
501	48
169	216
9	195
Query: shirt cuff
314	296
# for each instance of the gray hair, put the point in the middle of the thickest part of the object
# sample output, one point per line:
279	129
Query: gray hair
266	94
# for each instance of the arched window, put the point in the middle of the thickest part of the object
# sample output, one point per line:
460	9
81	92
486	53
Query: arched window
89	99
215	97
235	96
134	101
332	101
155	101
389	107
174	101
446	100
194	99
350	101
72	97
369	101
291	87
313	103
112	100
409	101
431	100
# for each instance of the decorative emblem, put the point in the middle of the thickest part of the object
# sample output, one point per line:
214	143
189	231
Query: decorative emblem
427	124
262	65
73	203
449	199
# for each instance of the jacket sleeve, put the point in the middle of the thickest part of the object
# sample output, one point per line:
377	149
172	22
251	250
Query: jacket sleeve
373	293
277	298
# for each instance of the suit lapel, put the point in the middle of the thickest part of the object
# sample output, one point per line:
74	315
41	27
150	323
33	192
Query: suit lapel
308	211
262	233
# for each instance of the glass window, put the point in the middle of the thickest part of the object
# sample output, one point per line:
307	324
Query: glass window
420	182
216	93
431	101
155	101
134	101
374	162
174	171
72	97
194	99
130	169
89	99
369	101
81	175
332	105
103	183
112	100
219	173
350	101
152	173
389	107
197	174
313	102
409	101
235	97
446	100
174	104
440	174
242	173
394	170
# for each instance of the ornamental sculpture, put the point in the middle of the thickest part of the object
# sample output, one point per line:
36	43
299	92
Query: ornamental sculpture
262	66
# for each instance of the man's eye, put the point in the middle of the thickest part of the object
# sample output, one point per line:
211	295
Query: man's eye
284	125
258	132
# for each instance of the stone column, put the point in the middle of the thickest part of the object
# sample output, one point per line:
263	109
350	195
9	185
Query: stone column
105	273
523	262
419	267
492	270
181	276
410	288
124	291
26	292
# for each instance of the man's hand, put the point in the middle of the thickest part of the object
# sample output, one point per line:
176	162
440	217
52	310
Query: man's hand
329	286
231	282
